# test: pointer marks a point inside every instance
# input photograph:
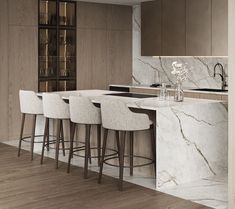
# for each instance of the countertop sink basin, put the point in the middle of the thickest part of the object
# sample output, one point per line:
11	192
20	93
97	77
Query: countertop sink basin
211	90
133	95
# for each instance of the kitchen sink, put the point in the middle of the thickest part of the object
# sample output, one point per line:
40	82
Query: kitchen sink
210	90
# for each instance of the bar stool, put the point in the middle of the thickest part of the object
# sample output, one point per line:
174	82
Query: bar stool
118	117
84	112
54	108
30	104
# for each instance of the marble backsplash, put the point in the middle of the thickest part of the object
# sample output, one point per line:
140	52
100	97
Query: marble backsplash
149	70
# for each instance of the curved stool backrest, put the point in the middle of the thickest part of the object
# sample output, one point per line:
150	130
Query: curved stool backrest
83	111
54	106
117	116
30	103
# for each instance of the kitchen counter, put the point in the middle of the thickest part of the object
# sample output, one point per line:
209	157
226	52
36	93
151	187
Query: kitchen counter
191	136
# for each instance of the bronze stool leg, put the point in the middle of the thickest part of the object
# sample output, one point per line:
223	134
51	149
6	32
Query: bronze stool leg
118	145
153	142
121	167
62	136
87	148
46	135
72	132
33	135
57	143
103	154
131	152
21	132
99	142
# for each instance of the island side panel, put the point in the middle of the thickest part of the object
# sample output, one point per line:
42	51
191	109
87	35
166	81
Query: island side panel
192	143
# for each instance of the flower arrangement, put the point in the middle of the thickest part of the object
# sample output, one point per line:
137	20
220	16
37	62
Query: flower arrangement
180	71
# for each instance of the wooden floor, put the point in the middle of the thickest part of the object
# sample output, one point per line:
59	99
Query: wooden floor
28	185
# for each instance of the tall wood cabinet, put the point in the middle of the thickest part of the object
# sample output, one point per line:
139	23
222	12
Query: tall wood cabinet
184	28
57	45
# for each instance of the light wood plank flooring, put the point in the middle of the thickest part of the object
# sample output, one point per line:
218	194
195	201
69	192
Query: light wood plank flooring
28	185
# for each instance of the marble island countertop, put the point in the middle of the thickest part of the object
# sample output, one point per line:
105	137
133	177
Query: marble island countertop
188	90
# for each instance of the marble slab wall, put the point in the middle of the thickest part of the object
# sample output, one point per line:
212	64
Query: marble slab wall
148	70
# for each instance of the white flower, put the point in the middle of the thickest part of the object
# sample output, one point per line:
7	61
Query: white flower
180	71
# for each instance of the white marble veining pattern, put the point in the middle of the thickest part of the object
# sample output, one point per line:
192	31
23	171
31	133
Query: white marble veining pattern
149	70
192	143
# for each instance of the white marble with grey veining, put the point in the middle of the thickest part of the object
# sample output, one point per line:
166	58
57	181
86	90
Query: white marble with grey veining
192	143
148	70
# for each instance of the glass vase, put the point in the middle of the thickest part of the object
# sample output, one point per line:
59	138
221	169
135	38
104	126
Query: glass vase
179	93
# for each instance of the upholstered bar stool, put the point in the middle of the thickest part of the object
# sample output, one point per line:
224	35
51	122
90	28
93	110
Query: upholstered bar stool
30	104
54	108
118	117
84	112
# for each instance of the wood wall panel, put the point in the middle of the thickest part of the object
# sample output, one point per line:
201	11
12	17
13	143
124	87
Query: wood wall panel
23	12
219	27
151	30
4	70
119	17
198	27
23	71
173	28
91	15
104	51
119	57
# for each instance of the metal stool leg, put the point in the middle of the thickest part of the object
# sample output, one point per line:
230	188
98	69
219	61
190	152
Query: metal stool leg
33	135
21	132
98	142
46	135
88	131
118	145
153	142
121	167
103	154
89	148
62	136
72	132
57	143
131	152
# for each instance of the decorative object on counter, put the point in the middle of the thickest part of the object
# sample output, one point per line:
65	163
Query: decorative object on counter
181	73
163	92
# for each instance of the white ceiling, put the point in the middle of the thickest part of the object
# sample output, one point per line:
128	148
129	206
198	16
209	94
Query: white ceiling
122	2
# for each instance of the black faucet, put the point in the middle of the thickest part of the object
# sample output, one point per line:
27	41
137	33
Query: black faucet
222	75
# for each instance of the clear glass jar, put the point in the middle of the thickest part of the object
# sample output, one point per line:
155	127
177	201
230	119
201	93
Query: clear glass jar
179	93
163	92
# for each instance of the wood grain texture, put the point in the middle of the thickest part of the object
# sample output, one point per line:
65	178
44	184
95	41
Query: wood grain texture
91	15
26	185
151	28
219	27
23	12
92	59
119	17
173	28
4	70
198	28
119	57
23	71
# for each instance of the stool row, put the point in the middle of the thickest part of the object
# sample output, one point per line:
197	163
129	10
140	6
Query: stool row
111	115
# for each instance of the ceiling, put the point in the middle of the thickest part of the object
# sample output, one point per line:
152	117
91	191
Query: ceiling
122	2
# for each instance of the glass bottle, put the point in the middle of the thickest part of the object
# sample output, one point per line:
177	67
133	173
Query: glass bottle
179	93
163	92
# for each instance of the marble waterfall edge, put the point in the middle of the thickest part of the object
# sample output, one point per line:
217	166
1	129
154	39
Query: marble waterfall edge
192	143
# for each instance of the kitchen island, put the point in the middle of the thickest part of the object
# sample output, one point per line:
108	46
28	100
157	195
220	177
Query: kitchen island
191	136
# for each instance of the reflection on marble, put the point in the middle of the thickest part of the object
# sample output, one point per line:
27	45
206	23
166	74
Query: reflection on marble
210	192
148	70
192	143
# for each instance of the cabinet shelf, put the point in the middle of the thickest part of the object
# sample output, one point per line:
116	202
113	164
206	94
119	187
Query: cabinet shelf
57	45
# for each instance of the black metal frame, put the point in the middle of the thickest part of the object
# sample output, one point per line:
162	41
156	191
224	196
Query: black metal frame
57	27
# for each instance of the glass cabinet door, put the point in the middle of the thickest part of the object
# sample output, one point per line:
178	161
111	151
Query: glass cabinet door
47	53
47	12
67	13
67	53
67	85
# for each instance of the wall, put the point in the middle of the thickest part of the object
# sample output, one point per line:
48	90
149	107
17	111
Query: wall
148	70
18	54
104	46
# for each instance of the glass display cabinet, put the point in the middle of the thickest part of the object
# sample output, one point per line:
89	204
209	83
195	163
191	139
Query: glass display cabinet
57	45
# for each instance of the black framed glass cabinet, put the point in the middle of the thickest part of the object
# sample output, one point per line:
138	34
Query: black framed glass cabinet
56	45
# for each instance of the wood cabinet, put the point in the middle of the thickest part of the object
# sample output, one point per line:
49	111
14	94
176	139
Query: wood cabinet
184	28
